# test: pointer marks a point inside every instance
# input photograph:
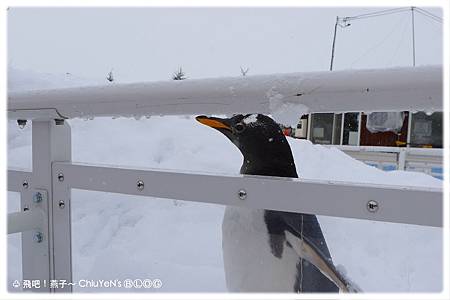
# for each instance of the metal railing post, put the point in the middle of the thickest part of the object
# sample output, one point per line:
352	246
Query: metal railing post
41	248
62	230
401	161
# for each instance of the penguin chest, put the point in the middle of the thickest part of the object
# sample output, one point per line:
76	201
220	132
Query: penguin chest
249	263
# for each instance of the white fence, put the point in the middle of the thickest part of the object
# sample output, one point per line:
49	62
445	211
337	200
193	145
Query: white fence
45	219
428	161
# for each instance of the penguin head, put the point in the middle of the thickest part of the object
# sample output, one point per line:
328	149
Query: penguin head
260	140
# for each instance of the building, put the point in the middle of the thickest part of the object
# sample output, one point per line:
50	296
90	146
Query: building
379	138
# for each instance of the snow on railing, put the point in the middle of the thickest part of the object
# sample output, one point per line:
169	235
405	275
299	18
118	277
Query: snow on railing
396	89
45	192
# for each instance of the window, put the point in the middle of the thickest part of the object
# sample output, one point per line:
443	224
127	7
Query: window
301	131
337	129
426	130
351	125
391	131
322	128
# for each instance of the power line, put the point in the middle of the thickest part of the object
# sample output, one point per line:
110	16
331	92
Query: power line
402	38
428	14
362	16
381	42
344	22
390	12
376	14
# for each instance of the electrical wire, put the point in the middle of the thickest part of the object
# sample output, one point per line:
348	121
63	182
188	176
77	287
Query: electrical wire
379	12
393	11
381	42
436	27
402	38
343	22
428	14
436	20
376	14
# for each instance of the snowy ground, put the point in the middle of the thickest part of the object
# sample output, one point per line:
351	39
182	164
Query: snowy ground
118	237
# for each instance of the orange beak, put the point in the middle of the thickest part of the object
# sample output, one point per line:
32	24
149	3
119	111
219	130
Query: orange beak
213	122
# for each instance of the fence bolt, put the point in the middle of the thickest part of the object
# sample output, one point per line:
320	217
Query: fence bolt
59	121
140	185
25	184
242	194
38	237
372	206
61	204
21	123
61	177
37	197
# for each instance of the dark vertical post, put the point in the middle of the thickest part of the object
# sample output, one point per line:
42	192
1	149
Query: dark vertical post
334	42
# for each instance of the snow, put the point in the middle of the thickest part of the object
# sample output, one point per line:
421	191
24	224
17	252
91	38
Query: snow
250	119
21	80
285	112
285	96
118	236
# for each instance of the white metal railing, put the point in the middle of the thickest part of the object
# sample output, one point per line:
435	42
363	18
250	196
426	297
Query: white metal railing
46	240
429	161
363	90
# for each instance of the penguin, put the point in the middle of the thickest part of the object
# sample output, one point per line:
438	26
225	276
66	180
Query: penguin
266	250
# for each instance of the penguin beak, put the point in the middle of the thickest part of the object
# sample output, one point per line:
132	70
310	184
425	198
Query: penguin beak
215	123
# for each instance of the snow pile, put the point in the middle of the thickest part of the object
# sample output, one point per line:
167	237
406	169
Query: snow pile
327	163
181	244
117	236
285	112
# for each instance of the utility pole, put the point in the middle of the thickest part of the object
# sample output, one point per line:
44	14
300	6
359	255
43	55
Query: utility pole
413	37
346	22
334	42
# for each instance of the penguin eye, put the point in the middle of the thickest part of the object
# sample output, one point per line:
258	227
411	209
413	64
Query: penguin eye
239	127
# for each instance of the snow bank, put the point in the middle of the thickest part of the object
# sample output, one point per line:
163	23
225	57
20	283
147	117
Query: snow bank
117	236
173	240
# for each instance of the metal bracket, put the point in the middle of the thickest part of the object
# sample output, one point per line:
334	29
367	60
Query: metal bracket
35	236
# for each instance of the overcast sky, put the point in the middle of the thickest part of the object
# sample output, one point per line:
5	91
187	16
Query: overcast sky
147	44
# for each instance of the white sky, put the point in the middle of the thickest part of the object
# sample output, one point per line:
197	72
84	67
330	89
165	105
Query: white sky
147	44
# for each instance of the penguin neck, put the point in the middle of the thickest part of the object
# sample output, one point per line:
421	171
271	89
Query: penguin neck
283	167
